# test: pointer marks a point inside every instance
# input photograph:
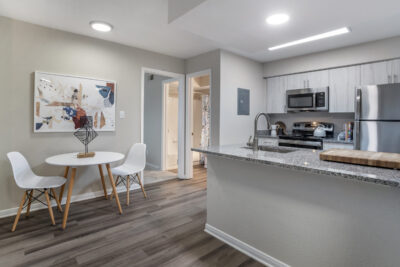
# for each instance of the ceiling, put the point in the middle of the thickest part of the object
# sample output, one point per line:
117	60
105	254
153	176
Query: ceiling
235	25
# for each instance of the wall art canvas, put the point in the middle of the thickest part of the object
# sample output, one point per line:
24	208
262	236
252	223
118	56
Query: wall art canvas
61	100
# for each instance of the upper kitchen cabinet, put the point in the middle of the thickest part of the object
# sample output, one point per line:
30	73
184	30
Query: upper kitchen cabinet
318	79
396	70
376	73
342	85
276	95
296	81
312	79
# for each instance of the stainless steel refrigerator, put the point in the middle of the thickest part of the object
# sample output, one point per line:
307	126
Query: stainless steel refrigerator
377	118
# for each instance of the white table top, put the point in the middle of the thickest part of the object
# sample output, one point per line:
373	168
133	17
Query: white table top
70	159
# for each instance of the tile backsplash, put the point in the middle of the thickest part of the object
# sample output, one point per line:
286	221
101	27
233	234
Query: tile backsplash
338	119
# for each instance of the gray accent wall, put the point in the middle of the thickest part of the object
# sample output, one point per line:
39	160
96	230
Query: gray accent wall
25	48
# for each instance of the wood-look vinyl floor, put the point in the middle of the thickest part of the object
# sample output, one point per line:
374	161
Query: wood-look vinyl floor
164	230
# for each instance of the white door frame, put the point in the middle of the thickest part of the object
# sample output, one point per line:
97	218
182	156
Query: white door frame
164	108
181	113
189	117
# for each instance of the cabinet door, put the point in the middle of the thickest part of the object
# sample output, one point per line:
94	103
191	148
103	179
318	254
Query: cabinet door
376	73
342	85
276	95
296	81
396	70
316	79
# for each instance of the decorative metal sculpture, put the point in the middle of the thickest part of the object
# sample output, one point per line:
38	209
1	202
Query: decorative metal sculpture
86	134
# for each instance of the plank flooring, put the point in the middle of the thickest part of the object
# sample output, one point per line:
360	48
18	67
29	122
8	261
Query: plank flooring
164	230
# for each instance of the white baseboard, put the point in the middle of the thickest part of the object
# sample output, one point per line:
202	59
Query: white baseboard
74	198
245	248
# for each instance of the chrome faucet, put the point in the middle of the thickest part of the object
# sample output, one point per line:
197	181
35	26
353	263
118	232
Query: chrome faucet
255	139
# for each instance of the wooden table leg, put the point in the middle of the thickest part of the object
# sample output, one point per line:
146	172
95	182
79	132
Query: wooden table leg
67	204
110	176
63	186
102	181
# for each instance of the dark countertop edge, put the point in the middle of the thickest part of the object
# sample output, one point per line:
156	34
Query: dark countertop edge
363	178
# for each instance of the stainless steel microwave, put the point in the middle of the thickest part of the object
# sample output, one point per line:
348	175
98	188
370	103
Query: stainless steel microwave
309	99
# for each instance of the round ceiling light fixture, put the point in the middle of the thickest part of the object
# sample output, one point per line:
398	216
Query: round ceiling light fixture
277	19
101	26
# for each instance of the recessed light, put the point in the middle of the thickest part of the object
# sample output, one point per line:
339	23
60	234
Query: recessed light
313	38
277	19
101	26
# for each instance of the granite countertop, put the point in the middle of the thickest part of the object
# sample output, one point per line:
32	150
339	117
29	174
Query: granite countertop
307	160
326	140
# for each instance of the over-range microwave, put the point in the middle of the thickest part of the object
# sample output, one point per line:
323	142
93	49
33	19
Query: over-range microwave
309	99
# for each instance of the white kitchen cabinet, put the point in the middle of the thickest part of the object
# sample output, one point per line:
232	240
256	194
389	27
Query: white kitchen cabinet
327	146
296	81
276	95
396	70
376	73
268	141
317	79
342	85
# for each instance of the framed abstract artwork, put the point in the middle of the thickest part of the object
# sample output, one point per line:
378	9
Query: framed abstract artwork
61	100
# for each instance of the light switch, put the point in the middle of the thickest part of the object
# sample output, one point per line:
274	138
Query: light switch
122	114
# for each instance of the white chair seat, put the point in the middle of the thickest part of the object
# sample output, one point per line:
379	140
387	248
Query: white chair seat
40	182
124	170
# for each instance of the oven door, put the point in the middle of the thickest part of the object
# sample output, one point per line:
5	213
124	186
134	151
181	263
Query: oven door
300	101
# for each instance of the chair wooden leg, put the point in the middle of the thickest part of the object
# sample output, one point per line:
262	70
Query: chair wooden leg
46	193
127	189
112	192
141	185
110	176
28	208
63	186
57	201
21	205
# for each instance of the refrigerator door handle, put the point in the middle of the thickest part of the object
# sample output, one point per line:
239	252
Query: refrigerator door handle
357	143
358	104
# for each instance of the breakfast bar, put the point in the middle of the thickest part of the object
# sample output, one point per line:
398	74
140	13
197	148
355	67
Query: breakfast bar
286	207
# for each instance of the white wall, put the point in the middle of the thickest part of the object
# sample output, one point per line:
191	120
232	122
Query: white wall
362	53
239	72
153	114
25	48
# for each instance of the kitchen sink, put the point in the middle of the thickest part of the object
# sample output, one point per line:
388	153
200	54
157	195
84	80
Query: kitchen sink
273	149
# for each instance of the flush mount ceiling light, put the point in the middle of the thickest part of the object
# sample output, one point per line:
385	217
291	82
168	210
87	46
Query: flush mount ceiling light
277	19
101	26
313	38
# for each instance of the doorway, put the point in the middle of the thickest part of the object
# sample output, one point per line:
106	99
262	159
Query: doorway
161	158
198	118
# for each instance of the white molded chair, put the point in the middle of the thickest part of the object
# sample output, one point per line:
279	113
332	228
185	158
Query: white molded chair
27	180
131	169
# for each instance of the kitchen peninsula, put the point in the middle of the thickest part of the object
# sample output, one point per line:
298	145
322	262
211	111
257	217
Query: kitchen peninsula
289	208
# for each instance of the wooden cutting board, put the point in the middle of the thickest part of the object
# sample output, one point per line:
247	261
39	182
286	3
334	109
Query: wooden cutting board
375	159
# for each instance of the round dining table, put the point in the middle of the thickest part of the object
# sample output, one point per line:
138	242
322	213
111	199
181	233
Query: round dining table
71	161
